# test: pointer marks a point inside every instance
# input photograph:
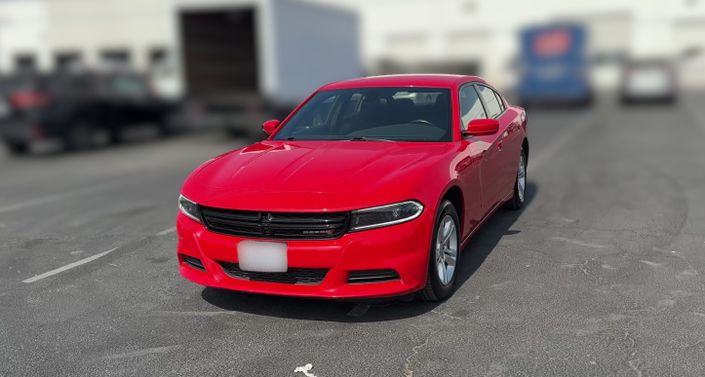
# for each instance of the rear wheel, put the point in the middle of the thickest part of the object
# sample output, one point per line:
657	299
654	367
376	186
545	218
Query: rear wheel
81	135
519	197
17	147
445	253
115	136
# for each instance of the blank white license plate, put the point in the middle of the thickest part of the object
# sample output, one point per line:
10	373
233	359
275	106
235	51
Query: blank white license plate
262	256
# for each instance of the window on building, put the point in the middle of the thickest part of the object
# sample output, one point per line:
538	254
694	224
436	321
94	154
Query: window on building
25	63
158	57
116	58
67	60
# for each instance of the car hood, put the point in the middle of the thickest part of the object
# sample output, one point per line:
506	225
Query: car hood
314	175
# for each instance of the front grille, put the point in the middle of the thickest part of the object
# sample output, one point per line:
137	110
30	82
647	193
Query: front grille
310	226
292	276
371	276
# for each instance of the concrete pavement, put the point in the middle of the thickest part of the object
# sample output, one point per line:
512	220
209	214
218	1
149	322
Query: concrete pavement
601	274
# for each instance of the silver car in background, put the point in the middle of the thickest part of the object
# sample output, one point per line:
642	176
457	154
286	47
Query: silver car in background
649	81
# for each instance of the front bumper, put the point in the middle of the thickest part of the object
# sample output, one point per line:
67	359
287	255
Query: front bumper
631	95
402	248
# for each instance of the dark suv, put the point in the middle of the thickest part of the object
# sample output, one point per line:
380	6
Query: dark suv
76	107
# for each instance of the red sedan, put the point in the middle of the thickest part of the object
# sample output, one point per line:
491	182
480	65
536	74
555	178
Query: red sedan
369	188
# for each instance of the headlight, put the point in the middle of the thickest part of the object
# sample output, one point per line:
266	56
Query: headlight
189	208
376	217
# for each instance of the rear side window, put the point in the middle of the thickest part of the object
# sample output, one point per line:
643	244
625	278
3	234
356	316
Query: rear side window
494	108
470	105
500	101
128	87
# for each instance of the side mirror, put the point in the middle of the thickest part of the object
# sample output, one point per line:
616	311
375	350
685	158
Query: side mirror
479	127
270	126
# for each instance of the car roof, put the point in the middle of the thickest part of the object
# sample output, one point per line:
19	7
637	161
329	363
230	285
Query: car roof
408	80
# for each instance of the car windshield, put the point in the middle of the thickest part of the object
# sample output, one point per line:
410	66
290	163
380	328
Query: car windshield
371	114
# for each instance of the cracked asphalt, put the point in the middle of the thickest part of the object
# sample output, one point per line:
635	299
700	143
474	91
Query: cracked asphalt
602	274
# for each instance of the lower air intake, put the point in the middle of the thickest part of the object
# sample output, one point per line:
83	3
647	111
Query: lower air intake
292	276
372	276
193	262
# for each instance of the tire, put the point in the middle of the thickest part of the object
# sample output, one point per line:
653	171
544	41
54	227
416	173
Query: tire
115	136
17	148
79	136
441	280
519	197
588	101
166	128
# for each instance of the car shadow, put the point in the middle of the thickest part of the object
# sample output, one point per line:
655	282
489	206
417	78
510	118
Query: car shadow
487	237
474	254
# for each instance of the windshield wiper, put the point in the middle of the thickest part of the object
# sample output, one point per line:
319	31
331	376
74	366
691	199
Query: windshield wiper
363	138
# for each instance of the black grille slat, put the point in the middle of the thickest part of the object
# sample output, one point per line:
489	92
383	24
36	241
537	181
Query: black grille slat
306	219
279	225
292	276
305	226
234	224
235	215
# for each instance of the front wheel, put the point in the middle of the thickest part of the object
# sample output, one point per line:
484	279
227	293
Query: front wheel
445	253
519	197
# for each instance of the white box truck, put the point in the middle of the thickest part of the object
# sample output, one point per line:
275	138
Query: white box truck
246	61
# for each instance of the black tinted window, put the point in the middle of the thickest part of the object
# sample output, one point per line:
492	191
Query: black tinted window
127	86
470	105
491	102
400	114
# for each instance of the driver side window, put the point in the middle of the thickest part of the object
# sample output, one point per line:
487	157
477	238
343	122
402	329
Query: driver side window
470	106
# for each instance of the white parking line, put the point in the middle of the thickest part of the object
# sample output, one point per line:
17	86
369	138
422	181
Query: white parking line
143	352
166	231
580	243
573	130
51	198
67	267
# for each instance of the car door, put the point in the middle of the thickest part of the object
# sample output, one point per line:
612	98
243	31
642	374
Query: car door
476	158
511	145
496	169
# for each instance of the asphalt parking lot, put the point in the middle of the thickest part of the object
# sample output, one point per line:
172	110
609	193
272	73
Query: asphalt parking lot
602	274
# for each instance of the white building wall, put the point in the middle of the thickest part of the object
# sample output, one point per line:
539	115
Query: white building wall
689	34
414	30
409	30
93	26
23	29
315	45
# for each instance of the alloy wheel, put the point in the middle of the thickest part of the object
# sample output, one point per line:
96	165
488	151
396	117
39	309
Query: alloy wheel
446	253
521	177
